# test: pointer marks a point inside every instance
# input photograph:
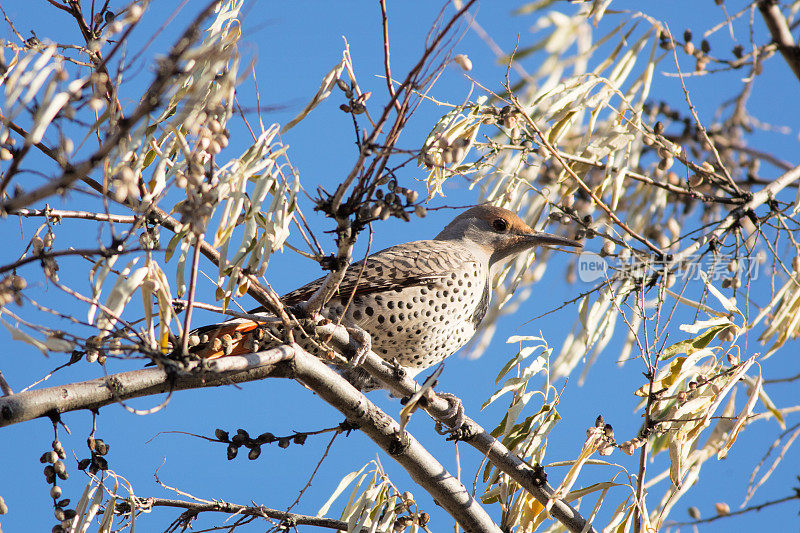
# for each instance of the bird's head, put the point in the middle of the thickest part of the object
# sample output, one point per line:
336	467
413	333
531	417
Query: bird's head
498	232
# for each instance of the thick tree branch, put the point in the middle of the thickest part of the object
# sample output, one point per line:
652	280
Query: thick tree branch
423	467
100	392
781	34
284	361
480	439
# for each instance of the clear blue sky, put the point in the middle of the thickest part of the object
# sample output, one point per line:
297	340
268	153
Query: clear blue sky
294	44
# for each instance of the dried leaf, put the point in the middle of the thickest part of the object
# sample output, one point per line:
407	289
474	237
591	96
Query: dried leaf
325	88
120	295
19	335
346	480
57	344
741	420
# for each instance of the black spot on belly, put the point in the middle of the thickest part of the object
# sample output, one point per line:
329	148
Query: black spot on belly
482	307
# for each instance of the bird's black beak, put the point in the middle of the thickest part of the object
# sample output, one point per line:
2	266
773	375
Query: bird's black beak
539	238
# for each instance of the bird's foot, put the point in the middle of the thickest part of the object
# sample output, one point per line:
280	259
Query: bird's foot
398	370
360	344
454	419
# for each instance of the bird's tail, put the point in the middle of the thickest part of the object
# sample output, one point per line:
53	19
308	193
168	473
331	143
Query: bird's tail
234	337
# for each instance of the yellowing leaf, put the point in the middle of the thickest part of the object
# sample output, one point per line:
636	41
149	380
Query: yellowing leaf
557	129
689	346
532	514
668	377
57	344
346	480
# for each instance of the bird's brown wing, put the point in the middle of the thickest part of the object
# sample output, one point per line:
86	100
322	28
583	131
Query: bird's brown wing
397	267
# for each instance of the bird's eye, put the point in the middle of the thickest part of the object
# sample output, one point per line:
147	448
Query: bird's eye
500	225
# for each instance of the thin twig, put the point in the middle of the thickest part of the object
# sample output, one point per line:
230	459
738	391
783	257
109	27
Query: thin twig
84	215
59	6
698	124
386	63
187	318
247	510
316	469
640	492
104	252
4	386
739	512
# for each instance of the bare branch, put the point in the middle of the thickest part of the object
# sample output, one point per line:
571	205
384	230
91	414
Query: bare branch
290	519
83	215
733	217
187	318
100	392
748	509
386	63
781	35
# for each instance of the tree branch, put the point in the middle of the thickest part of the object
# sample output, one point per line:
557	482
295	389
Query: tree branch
84	215
733	217
44	254
480	439
423	467
386	63
781	35
244	510
283	361
100	392
739	512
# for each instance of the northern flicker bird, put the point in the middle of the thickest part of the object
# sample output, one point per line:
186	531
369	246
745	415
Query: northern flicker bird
420	301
